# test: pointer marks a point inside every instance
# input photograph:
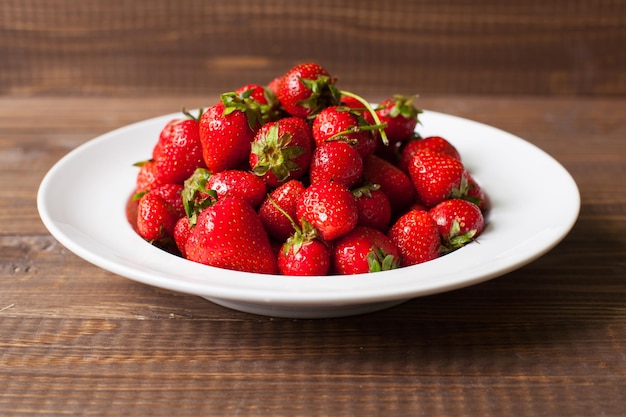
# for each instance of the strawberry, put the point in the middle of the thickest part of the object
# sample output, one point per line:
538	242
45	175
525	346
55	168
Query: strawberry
373	206
158	211
181	233
306	89
281	151
329	207
226	131
164	137
148	177
336	161
477	195
265	98
459	222
235	183
229	234
393	182
434	143
364	250
274	84
416	235
437	177
336	122
179	153
175	156
400	116
277	225
303	254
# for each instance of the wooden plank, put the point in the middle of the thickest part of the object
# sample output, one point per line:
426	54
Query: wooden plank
113	47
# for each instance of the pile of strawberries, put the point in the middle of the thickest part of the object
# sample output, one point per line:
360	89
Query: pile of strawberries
301	178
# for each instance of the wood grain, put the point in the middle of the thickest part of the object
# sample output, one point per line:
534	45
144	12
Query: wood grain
114	47
548	339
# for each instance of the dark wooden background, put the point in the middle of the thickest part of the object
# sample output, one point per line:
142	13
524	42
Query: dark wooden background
119	47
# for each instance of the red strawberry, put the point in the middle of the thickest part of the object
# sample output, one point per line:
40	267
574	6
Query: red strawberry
148	177
281	151
336	122
274	85
477	195
329	207
266	99
437	177
158	211
303	254
364	250
400	115
416	235
179	153
226	131
229	234
434	143
306	89
459	222
374	207
164	137
181	233
336	161
393	182
285	197
235	183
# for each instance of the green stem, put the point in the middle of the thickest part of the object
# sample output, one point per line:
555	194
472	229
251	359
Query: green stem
369	108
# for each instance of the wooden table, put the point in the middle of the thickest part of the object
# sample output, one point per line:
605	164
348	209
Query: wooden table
546	340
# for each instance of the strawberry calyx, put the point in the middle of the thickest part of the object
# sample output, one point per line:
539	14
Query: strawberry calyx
365	190
323	94
245	104
378	260
454	240
462	191
275	154
270	110
196	196
301	235
402	106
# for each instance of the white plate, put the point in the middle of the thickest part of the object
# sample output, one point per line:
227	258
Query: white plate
535	203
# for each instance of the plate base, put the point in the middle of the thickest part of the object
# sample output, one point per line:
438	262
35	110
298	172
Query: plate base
302	312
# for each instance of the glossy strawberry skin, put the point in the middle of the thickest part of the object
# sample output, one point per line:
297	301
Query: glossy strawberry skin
393	182
329	207
229	235
297	98
225	138
281	151
178	154
277	225
437	177
336	161
182	231
374	209
416	235
335	120
311	259
158	211
434	143
351	251
236	183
